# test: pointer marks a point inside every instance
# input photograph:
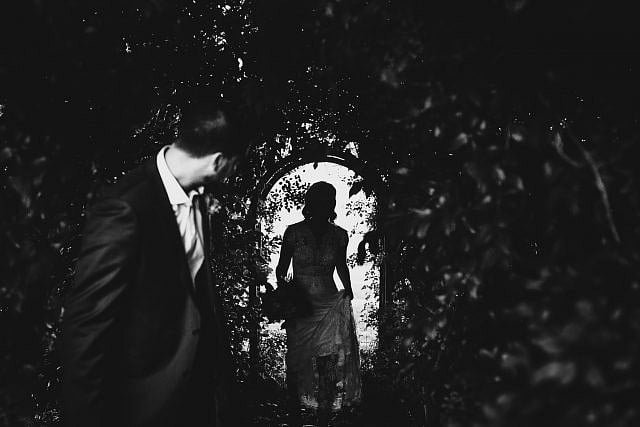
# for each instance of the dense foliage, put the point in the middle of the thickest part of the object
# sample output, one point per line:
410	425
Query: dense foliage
508	144
511	218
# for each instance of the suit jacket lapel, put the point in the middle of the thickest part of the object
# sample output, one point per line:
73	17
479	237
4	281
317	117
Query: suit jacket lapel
168	220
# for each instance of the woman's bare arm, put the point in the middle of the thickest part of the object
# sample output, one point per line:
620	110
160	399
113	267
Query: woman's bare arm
286	253
343	273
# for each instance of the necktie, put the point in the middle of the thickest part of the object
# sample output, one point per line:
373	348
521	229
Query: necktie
192	238
199	205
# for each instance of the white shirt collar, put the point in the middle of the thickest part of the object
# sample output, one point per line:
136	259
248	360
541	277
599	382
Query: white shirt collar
175	192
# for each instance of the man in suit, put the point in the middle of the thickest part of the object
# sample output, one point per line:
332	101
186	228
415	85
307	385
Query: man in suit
143	339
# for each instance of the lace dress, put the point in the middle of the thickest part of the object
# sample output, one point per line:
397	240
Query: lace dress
330	330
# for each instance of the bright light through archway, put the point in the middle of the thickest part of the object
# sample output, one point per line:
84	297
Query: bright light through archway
353	214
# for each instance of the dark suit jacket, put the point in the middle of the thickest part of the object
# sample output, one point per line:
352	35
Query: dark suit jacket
131	323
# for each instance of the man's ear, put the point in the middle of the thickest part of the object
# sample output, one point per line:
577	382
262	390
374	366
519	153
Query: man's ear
218	162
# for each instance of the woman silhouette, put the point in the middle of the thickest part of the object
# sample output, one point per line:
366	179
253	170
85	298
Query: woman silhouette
323	366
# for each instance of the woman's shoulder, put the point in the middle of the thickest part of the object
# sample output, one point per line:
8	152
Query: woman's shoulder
293	228
296	226
341	234
339	230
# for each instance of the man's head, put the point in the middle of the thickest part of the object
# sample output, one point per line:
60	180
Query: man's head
210	133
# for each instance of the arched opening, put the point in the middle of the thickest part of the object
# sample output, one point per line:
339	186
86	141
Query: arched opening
277	202
282	207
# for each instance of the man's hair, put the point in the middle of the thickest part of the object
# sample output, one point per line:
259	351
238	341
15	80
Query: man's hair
209	126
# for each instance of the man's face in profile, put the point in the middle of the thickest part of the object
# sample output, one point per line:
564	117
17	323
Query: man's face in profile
230	168
223	168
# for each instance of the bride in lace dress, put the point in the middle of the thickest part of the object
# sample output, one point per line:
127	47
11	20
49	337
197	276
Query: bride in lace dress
323	365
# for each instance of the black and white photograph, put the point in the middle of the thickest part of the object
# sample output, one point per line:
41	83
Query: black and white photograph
289	213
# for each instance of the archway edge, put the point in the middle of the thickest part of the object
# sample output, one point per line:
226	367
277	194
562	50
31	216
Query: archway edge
348	160
265	184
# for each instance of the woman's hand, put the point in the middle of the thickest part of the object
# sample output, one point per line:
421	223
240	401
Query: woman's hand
343	270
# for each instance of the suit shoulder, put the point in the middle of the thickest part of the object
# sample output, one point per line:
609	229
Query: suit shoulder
131	188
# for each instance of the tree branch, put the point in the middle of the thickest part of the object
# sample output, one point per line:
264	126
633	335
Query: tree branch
592	165
599	183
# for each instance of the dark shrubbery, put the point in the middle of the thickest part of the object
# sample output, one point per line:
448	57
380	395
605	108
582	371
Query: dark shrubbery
506	136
